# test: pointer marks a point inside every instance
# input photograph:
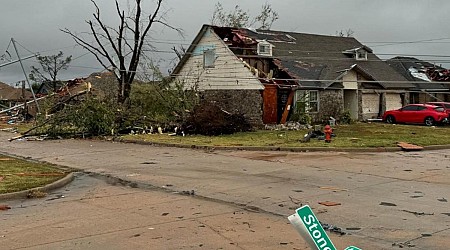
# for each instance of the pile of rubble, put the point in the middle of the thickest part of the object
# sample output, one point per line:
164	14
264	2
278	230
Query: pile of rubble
287	126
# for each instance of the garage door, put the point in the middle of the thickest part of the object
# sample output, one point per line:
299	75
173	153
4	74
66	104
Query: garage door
393	101
370	103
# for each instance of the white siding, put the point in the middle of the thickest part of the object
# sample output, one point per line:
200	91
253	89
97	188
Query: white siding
350	80
229	71
393	101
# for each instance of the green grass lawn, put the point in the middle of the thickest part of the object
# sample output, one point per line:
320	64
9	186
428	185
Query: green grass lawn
17	175
354	135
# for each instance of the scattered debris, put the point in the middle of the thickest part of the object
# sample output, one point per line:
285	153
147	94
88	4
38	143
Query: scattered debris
334	188
136	235
333	229
408	170
297	190
403	244
388	204
6	159
417	213
353	228
2	178
329	203
132	175
409	147
164	214
426	235
283	243
296	201
192	192
35	193
4	207
442	200
59	196
148	163
448	214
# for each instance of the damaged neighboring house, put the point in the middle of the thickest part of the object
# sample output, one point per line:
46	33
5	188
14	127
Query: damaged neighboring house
430	80
270	75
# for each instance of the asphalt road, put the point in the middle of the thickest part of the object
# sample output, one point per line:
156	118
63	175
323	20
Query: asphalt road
387	200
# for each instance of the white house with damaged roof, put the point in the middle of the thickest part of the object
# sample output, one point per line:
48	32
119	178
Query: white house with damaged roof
272	75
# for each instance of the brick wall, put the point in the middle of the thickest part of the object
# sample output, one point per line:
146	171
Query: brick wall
247	102
331	103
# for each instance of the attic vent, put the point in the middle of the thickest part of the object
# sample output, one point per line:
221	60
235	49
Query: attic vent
264	49
361	55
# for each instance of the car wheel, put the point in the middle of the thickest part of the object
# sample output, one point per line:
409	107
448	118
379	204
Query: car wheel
390	119
429	121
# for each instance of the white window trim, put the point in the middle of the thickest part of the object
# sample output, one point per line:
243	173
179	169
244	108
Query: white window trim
265	44
307	100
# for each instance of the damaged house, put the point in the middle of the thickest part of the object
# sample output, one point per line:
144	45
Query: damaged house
271	75
430	80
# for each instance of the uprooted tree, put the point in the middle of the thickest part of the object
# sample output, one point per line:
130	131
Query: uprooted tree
120	49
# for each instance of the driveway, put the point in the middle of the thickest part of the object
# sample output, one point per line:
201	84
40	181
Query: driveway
387	200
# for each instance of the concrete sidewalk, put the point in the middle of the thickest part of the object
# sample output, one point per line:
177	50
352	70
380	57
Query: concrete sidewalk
415	185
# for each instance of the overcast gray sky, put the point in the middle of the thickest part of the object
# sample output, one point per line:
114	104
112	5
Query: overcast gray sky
380	24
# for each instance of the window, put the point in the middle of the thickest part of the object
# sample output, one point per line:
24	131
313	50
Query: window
264	49
307	101
209	57
361	55
410	108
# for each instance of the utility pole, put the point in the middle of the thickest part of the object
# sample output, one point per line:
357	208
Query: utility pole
25	107
26	76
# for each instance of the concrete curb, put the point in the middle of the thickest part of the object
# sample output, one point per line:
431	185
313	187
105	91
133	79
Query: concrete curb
23	194
284	149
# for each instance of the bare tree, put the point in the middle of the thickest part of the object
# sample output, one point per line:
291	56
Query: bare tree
345	33
121	47
240	18
50	66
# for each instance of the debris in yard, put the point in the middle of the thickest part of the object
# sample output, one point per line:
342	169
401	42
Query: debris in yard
35	193
442	200
4	207
448	214
329	203
409	147
426	235
210	119
297	190
417	213
408	170
283	243
136	235
353	228
164	214
6	159
388	204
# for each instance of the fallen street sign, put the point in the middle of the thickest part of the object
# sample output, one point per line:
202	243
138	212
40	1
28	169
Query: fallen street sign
352	248
309	227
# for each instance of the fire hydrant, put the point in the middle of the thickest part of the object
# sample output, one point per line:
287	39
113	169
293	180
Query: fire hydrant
328	131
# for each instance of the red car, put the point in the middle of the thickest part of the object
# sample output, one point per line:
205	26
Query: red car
445	105
417	113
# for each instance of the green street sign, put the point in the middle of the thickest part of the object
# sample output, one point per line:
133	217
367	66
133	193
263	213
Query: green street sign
310	228
352	248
